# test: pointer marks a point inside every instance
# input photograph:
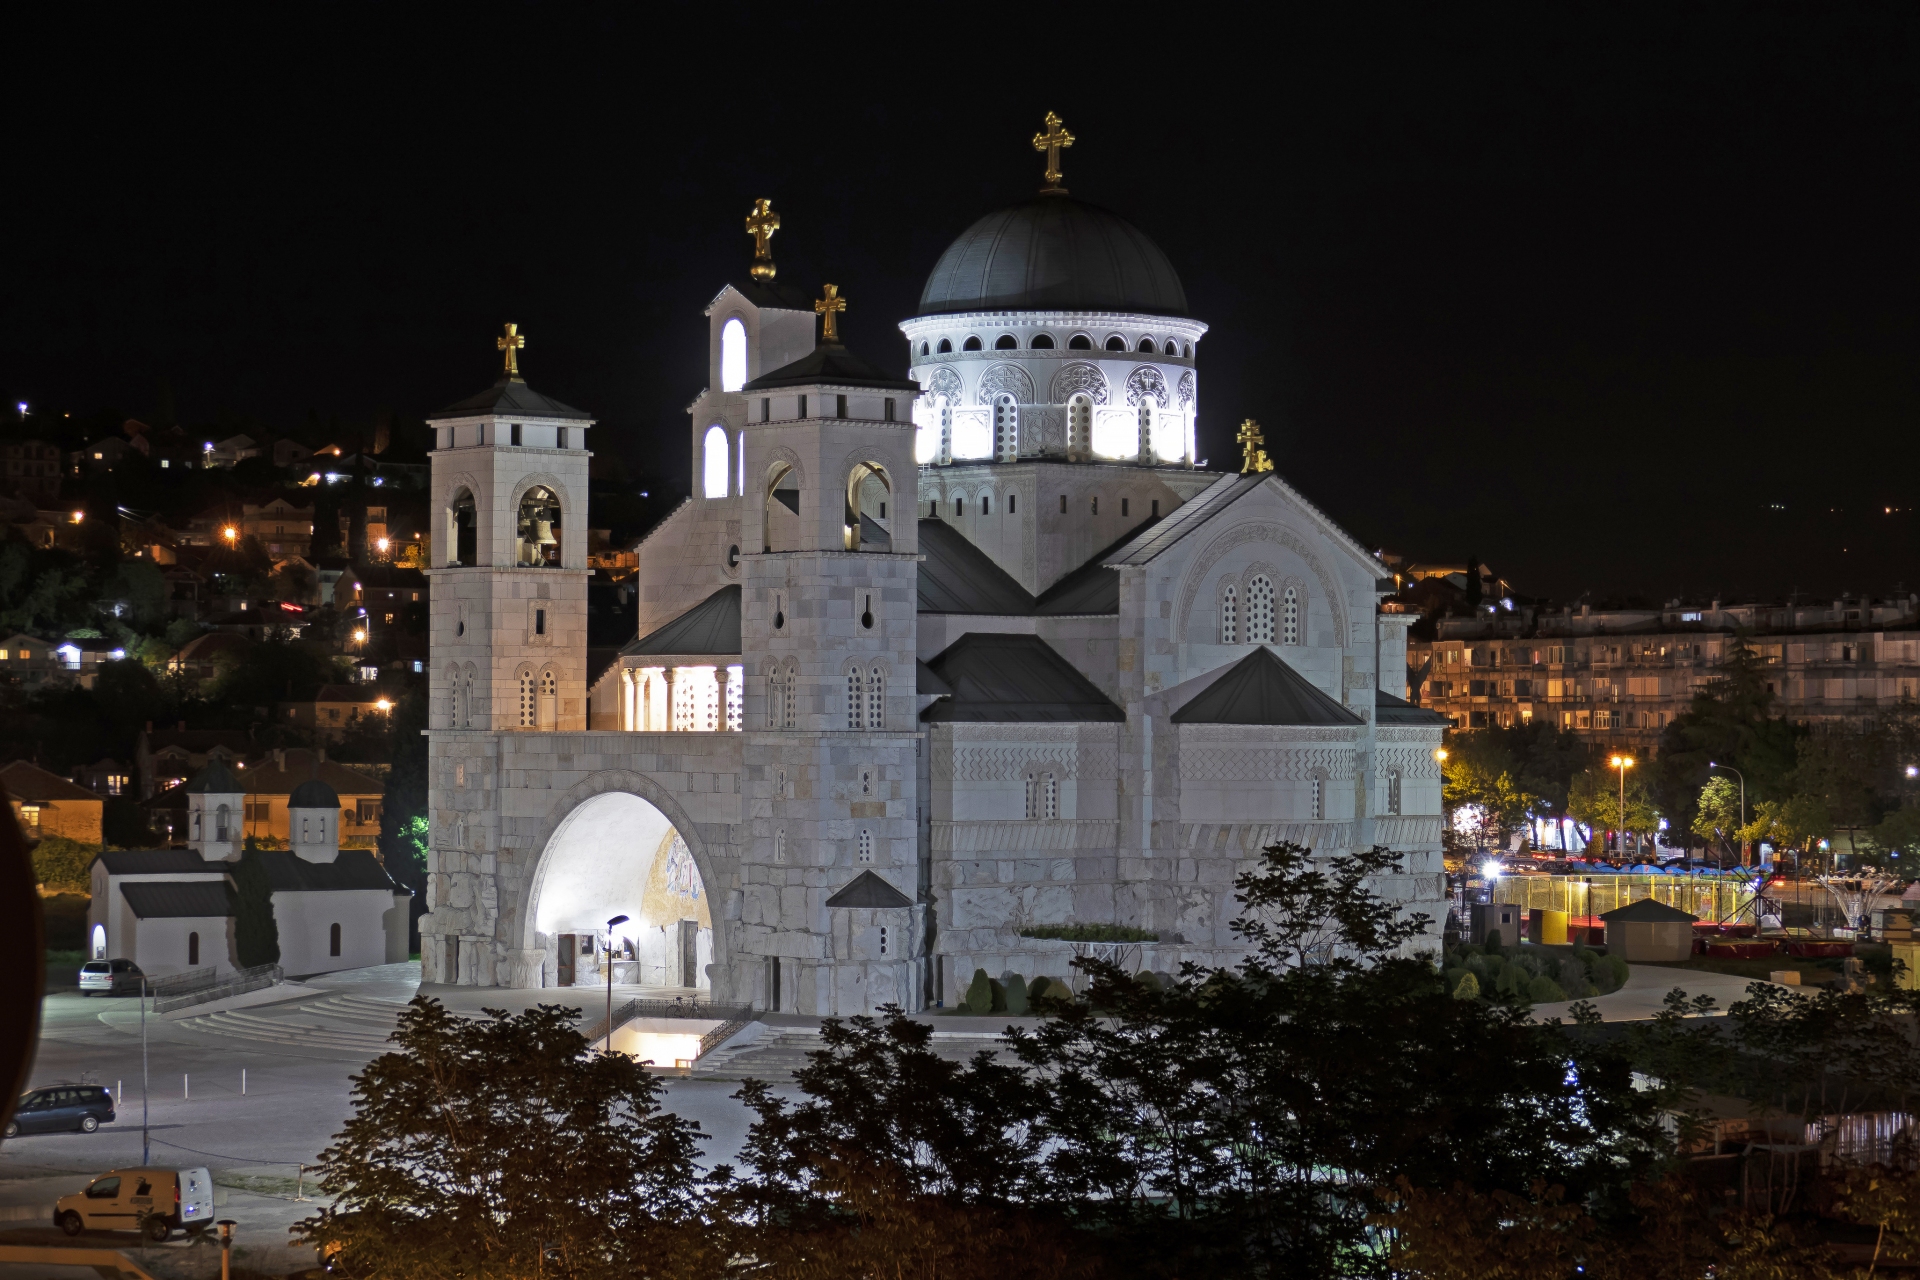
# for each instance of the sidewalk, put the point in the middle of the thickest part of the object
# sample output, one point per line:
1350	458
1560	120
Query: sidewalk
1645	993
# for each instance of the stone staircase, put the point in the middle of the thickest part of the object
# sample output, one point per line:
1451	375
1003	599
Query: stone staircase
349	1023
780	1051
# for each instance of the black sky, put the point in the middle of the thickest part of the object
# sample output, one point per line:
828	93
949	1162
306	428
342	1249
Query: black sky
1585	293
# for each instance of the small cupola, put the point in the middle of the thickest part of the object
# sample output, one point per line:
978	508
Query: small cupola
215	797
313	821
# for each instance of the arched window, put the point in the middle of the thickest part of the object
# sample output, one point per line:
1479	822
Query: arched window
539	524
1393	792
776	697
1006	342
1146	345
1317	797
856	699
1116	343
1146	426
945	347
193	949
971	344
1260	610
1041	342
1171	349
790	696
306	829
1080	342
1079	426
866	845
714	457
333	940
867	491
923	348
1187	351
1230	614
220	817
1006	430
877	698
780	845
462	537
780	513
733	355
549	700
526	699
1290	616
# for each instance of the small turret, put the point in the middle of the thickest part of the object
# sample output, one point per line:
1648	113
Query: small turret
313	821
215	798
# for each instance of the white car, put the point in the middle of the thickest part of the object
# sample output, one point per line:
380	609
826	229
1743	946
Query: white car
110	976
155	1202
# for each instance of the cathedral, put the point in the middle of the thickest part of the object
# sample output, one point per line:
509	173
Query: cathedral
927	671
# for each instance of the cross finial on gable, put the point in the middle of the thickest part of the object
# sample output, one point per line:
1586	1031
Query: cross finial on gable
512	344
761	224
1253	449
1050	142
830	307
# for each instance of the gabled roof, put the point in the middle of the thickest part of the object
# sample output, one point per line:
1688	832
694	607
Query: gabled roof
1224	493
767	294
27	781
1647	911
869	890
829	364
1001	679
1092	588
278	775
957	577
928	683
710	627
511	396
153	862
174	899
1261	689
1388	709
287	872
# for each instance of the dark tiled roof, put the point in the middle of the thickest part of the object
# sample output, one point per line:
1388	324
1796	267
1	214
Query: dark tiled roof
1001	679
298	765
215	780
957	577
1647	911
511	396
162	899
287	872
25	780
869	890
1388	709
1093	587
929	683
830	365
710	627
150	862
1261	689
1053	253
313	794
1187	517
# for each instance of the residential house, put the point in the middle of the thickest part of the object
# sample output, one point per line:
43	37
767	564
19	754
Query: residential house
270	782
165	758
335	709
28	660
30	469
106	777
46	804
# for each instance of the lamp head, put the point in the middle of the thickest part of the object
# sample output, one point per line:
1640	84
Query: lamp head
617	920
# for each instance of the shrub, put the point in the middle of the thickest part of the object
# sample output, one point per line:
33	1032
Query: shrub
1468	988
1616	973
979	993
1544	990
1089	933
1016	995
63	863
1047	989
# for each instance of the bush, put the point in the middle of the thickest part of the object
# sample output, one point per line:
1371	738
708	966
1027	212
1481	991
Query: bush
979	997
1544	990
1047	989
63	863
1616	970
1089	933
1468	988
1016	995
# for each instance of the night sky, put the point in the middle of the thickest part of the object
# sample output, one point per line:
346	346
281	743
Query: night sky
1586	294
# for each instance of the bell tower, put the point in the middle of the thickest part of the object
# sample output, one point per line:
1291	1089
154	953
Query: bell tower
509	625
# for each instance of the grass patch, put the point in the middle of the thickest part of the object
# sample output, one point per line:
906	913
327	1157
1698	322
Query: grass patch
1812	971
1089	933
261	1184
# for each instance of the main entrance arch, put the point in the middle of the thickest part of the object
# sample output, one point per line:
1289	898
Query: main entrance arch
618	854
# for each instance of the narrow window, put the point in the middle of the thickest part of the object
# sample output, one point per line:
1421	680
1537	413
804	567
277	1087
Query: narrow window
889	409
1393	792
1155	513
539	622
1006	430
1146	427
333	940
1290	617
560	438
549	702
766	408
1096	505
1230	615
883	511
776	694
1260	610
839	406
923	348
1050	796
780	845
803	406
1186	352
856	700
1033	796
714	462
1124	503
733	355
740	458
513	433
986	504
790	710
1063	504
866	845
193	949
877	699
883	939
526	700
1079	425
1317	798
1012	499
959	506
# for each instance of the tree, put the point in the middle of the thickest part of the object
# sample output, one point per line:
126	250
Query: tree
1730	720
64	864
1838	771
1716	816
1593	801
256	935
507	1147
1478	775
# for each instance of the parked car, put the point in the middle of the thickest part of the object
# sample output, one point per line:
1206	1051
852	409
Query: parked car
110	976
61	1107
156	1202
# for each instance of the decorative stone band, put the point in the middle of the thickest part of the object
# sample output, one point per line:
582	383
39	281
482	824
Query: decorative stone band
1244	839
1016	836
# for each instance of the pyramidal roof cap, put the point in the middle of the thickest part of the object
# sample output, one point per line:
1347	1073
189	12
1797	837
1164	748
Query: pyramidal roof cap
216	779
511	396
1261	689
869	890
830	364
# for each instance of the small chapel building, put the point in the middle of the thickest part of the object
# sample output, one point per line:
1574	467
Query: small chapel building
927	665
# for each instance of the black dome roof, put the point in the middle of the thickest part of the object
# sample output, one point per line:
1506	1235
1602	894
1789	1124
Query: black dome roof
313	794
1053	253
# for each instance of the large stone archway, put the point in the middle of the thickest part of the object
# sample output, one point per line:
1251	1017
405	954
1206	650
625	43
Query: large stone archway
618	845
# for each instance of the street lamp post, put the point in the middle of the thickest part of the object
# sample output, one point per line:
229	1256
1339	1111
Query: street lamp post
616	920
1743	804
1622	763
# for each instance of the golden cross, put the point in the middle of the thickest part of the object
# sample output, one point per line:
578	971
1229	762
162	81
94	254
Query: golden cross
1253	449
511	344
830	306
1050	142
761	224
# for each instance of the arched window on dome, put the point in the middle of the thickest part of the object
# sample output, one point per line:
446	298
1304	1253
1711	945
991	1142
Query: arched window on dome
923	348
1006	430
1080	342
1187	351
971	344
1146	345
1041	342
713	450
1229	614
733	355
1171	348
1290	616
1116	343
1079	427
945	347
1006	342
1260	610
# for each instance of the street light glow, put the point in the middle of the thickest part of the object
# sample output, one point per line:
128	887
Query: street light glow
360	636
1621	762
1441	755
383	704
1490	870
229	533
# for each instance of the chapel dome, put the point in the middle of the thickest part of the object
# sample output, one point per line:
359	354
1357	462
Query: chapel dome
313	794
1053	253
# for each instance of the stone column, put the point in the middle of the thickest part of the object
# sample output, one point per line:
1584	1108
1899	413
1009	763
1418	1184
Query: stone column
720	674
669	674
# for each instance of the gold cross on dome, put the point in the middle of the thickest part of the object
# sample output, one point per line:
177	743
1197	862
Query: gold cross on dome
1050	142
1253	449
511	344
761	224
830	307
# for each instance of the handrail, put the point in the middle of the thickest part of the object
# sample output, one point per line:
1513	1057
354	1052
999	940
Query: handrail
239	982
637	1008
178	983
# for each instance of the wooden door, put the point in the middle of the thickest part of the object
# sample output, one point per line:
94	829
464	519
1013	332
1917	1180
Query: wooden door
689	953
569	947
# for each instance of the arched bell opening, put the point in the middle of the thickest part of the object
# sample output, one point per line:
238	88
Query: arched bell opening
462	530
866	521
538	528
780	517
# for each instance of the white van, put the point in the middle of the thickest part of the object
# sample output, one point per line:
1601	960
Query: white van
155	1201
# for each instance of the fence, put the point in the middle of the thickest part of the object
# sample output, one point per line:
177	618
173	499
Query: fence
732	1016
1712	898
175	984
239	982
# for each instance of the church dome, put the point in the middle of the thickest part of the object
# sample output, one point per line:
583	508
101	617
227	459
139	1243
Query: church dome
1053	253
313	794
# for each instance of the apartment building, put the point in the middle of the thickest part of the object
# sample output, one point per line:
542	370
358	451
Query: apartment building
1618	677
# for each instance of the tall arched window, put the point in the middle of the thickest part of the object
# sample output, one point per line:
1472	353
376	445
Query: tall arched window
1290	616
866	845
1260	610
714	457
220	817
1079	426
1006	430
877	698
333	940
1146	427
462	530
856	699
1230	614
526	699
789	717
1393	792
193	949
549	700
1317	797
733	355
539	527
776	696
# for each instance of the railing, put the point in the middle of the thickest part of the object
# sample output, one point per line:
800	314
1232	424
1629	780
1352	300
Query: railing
175	984
631	1009
239	982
